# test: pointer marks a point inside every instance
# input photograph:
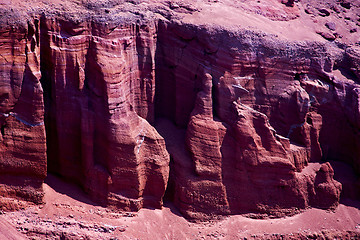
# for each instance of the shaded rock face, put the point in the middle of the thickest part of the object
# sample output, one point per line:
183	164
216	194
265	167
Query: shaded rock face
248	120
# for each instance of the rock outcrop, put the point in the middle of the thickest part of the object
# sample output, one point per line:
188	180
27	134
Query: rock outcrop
100	83
249	118
252	124
22	138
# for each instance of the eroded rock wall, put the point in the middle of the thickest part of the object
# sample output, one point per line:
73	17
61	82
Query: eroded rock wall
255	130
100	83
249	120
22	138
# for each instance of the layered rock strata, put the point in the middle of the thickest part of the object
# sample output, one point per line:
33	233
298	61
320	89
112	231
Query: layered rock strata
249	119
22	138
253	122
100	84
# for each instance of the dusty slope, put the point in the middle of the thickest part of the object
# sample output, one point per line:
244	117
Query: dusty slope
8	231
304	21
70	214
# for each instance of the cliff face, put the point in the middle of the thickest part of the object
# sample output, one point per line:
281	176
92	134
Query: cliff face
256	113
249	119
22	138
100	85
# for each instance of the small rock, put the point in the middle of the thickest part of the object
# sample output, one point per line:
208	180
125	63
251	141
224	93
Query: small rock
129	214
337	35
324	12
353	30
174	5
345	4
335	9
288	3
331	26
327	35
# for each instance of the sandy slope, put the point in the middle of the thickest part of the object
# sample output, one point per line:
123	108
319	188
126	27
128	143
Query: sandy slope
8	231
70	214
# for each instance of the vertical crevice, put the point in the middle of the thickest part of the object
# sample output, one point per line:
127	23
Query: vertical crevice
214	96
165	90
3	130
46	67
170	188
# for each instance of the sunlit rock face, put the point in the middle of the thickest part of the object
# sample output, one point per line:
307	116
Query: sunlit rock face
100	84
22	138
249	119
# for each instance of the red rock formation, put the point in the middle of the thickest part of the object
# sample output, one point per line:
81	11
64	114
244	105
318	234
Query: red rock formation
237	161
249	118
101	88
22	138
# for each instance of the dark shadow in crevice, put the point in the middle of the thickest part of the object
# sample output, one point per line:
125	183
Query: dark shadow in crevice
69	189
173	209
170	189
345	174
165	91
3	129
46	68
346	72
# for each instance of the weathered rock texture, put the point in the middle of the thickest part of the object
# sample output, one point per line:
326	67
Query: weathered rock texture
22	138
100	85
249	117
253	121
